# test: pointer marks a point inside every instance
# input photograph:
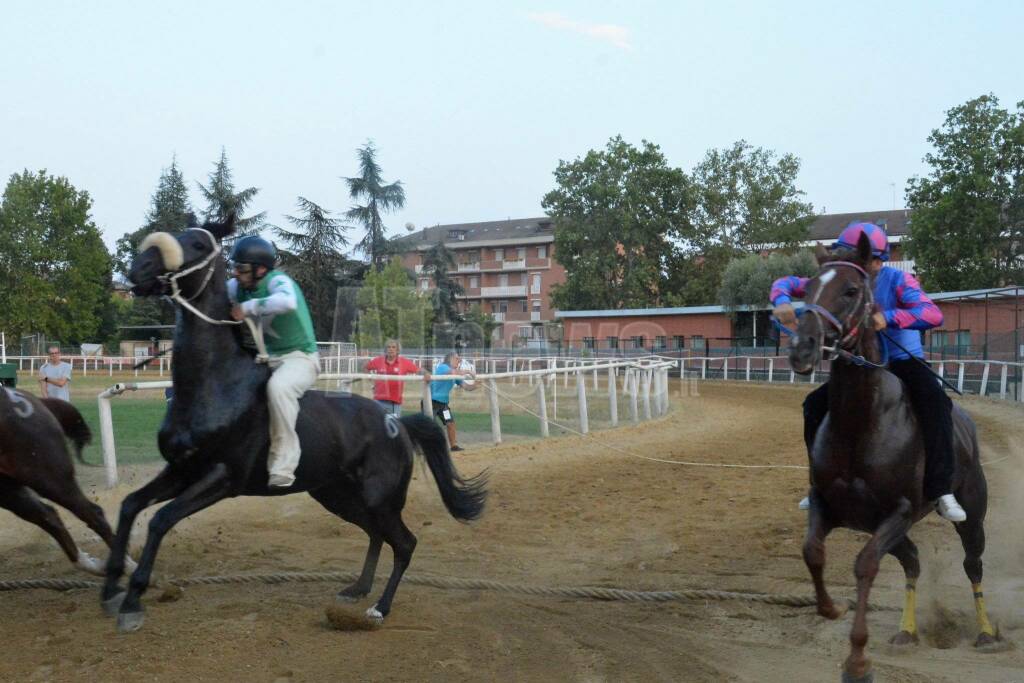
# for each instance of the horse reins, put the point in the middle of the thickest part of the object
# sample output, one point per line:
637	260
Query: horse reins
852	327
177	297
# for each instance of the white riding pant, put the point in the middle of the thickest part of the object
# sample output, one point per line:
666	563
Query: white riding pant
293	374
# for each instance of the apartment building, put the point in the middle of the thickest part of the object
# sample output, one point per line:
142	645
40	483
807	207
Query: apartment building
507	267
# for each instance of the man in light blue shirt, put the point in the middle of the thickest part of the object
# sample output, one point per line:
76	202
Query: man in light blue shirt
441	390
55	376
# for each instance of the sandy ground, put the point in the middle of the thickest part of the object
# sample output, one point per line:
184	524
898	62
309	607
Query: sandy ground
562	512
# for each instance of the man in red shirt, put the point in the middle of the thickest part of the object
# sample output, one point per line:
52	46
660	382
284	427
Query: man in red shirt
389	394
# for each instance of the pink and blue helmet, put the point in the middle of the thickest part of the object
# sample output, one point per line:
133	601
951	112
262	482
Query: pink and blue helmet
850	235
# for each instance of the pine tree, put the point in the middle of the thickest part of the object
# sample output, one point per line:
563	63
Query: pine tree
379	196
169	211
313	257
440	261
222	200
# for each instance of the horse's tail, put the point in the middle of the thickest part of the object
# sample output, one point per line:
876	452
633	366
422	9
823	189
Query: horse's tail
72	422
464	498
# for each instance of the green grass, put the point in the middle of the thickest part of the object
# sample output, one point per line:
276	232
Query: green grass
136	422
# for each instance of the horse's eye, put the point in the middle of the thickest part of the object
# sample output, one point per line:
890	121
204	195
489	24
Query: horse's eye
850	292
198	244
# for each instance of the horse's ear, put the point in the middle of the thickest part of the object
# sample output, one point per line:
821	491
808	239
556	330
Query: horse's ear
223	228
822	254
864	250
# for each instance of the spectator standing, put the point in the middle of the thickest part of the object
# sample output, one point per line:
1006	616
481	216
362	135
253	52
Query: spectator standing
389	394
55	376
440	392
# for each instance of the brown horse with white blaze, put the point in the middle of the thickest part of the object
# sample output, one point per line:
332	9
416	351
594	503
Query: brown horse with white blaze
868	460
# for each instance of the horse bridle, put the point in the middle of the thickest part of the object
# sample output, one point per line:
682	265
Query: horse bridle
210	264
852	326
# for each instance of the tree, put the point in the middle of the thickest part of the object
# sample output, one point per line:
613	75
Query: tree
486	323
439	262
617	213
747	280
390	307
380	197
313	257
222	201
745	201
170	211
968	213
54	268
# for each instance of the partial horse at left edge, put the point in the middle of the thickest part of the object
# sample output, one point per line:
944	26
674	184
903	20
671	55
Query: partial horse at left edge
35	463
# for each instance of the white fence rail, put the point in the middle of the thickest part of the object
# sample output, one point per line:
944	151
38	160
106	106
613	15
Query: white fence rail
1001	379
643	380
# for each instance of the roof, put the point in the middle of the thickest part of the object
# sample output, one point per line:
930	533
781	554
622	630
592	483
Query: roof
647	312
486	231
1008	292
828	226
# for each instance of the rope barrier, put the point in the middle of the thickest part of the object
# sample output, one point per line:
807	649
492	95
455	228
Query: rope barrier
445	583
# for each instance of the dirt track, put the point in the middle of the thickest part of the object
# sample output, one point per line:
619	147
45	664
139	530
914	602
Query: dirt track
562	512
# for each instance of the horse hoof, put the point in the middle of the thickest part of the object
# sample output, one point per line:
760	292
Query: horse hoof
903	638
832	612
987	643
111	606
868	677
374	616
129	622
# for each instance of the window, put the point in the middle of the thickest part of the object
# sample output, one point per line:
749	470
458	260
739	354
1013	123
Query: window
613	342
659	343
520	253
938	339
457	235
499	254
424	284
502	307
535	288
589	343
678	342
542	251
474	282
697	342
536	305
963	338
524	331
503	280
638	341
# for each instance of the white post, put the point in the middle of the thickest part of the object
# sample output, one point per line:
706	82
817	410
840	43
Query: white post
647	394
566	385
814	372
596	387
634	391
554	396
613	397
942	369
1002	381
748	368
703	368
984	380
495	415
581	397
960	378
771	369
664	391
511	363
107	439
428	405
543	405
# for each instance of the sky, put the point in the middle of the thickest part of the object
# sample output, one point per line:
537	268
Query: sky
473	104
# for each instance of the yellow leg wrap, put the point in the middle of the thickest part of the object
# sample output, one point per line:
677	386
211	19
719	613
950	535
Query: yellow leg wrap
909	621
979	607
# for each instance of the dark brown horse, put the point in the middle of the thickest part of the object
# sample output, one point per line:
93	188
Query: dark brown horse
867	461
34	462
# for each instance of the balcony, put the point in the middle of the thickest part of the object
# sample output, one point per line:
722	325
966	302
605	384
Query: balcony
422	269
503	291
535	316
498	317
514	265
466	267
905	266
534	262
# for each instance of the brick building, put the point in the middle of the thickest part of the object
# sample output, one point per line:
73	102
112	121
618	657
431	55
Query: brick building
507	267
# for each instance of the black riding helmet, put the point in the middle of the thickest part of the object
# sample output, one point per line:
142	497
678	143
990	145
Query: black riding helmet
254	250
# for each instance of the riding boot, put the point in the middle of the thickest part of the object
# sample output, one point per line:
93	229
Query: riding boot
934	411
